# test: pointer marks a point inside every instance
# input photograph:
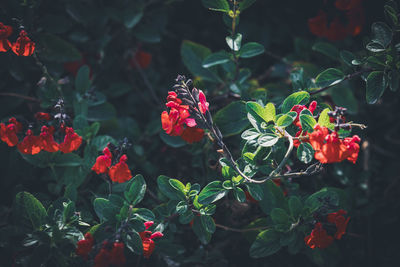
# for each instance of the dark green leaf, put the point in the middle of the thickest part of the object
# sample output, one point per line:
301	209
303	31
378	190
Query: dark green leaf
266	244
286	119
135	190
239	194
82	80
56	49
173	141
232	119
251	49
347	57
211	193
31	208
298	98
235	43
216	5
375	47
295	207
394	80
279	216
307	122
167	190
327	49
200	231
69	210
208	223
216	59
376	85
255	191
182	207
329	77
381	33
244	4
133	242
144	214
305	152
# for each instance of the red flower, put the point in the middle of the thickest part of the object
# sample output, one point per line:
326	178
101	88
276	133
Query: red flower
30	145
117	254
299	108
249	199
318	238
192	134
102	259
5	32
347	4
84	246
341	223
147	239
72	141
120	172
42	116
74	66
23	46
203	105
8	133
336	30
103	162
142	59
317	25
46	139
329	148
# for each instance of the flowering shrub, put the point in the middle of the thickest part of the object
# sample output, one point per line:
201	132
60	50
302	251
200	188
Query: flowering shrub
259	155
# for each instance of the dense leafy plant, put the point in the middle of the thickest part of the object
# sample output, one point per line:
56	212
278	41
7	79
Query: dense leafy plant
255	156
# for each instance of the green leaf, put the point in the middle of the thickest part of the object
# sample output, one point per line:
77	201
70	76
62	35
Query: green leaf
101	141
329	77
68	212
133	242
375	47
239	194
216	5
394	80
295	207
67	160
132	16
211	193
208	223
186	217
104	209
381	33
298	98
307	122
232	119
250	134
324	119
182	207
260	113
344	97
305	152
31	208
173	141
144	214
200	231
273	197
193	55
347	57
376	85
251	49
216	59
56	49
267	140
286	119
82	80
391	15
177	185
101	112
135	190
279	216
327	49
266	244
325	196
244	4
255	191
167	190
235	43
270	112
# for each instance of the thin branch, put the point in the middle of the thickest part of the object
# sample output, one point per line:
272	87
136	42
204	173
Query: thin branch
21	96
227	228
47	74
347	77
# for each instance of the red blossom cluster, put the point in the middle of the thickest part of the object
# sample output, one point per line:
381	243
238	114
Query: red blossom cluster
109	254
147	239
32	144
333	27
298	109
23	46
178	122
119	172
319	238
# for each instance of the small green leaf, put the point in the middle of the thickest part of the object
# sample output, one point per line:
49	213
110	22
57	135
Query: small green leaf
324	119
182	207
381	33
239	194
255	191
133	242
286	119
216	59
329	77
82	80
244	4
376	85
279	216
135	190
202	234
391	15
216	5
211	193
251	49
104	209
167	190
267	140
208	223
305	152
347	57
394	80
266	244
307	122
232	119
31	208
186	217
295	207
375	47
327	49
298	98
235	43
260	113
250	134
178	185
69	210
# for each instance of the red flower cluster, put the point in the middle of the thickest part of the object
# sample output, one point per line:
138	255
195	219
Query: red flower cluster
329	148
32	144
319	238
22	47
334	29
84	246
298	109
141	59
110	255
119	173
147	239
178	122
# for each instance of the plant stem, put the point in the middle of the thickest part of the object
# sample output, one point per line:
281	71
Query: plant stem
227	228
47	74
21	96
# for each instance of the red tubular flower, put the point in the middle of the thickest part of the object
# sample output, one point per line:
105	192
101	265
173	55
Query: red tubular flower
5	32
336	30
117	254
23	46
120	172
317	25
84	246
318	238
347	4
30	145
72	141
103	162
203	105
352	148
8	133
192	134
102	259
143	59
46	139
147	239
42	116
341	223
299	108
